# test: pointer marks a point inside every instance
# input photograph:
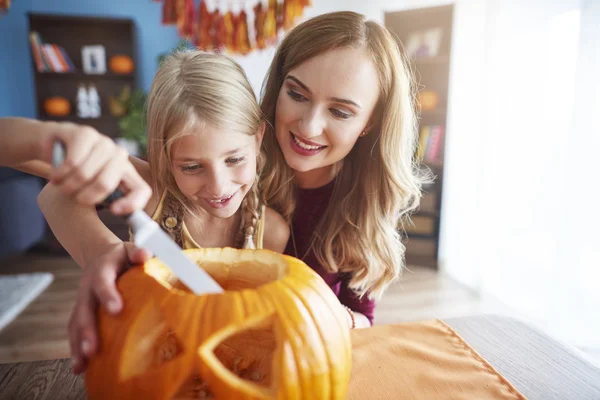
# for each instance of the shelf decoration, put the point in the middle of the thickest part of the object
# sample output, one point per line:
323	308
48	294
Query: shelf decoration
4	6
57	106
424	44
430	143
236	29
94	59
121	64
49	57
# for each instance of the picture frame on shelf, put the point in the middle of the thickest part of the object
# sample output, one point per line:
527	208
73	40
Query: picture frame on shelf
93	59
424	43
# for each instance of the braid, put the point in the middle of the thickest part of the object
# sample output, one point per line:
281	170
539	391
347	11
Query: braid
250	208
250	216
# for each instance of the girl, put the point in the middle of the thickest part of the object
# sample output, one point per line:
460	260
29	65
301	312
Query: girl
205	129
93	168
339	97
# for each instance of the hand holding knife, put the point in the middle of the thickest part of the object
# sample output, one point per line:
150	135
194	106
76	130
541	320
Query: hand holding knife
148	234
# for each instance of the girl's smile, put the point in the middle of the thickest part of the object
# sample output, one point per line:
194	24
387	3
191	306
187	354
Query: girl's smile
221	202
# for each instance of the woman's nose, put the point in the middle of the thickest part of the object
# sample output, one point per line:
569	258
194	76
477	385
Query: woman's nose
312	123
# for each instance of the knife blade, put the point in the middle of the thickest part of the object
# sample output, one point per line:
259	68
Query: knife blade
147	234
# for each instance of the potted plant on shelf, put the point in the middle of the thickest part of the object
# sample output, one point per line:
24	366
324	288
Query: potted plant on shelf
129	108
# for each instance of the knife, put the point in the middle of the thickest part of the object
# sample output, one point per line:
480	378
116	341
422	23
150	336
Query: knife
147	234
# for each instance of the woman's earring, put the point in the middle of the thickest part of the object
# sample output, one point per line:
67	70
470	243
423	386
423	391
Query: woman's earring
363	133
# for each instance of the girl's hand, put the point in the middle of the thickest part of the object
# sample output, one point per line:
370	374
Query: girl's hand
94	166
98	286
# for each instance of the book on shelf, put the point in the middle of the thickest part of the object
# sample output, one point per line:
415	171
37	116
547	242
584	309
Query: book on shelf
49	57
430	143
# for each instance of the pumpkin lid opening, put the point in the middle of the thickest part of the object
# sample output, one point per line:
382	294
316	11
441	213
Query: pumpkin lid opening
232	269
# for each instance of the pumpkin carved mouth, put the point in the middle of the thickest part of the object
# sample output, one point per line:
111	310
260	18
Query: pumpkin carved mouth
276	332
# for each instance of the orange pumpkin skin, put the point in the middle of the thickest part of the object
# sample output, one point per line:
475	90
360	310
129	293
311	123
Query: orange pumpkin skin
121	64
57	106
273	306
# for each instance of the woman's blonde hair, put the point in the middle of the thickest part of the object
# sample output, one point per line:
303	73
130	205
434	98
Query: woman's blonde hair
192	88
378	185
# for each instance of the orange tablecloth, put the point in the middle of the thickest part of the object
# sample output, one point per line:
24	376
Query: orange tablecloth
422	360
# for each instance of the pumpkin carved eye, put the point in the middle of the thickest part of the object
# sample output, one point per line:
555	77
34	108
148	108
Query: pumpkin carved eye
156	343
243	355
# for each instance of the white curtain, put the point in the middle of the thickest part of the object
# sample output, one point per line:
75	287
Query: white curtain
521	207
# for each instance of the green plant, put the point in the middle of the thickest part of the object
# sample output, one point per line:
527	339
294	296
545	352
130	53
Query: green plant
132	124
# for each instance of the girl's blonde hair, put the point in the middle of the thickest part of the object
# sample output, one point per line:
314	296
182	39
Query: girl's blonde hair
190	89
378	185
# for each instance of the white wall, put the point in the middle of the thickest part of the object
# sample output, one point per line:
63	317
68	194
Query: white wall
520	213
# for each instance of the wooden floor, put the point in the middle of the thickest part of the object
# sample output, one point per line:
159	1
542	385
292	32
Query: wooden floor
40	331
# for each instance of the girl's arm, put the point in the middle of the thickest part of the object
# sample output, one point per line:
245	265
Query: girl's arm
78	228
94	165
84	237
101	254
277	231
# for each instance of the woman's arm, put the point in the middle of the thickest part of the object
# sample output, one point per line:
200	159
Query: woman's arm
362	309
94	165
23	140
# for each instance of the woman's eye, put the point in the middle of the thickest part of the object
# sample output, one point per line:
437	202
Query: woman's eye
190	168
340	114
296	96
234	160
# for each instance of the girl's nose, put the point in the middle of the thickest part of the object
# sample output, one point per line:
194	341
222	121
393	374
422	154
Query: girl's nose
217	186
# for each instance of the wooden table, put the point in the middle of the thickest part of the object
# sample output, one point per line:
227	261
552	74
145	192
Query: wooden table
538	366
48	379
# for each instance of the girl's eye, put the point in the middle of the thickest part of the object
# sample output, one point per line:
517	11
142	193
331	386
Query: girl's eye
339	114
234	160
295	95
190	168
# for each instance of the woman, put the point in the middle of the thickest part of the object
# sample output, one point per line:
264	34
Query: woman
340	153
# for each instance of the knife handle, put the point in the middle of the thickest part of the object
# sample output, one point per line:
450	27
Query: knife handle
58	156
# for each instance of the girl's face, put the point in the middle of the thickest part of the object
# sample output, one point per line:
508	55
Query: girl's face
215	168
323	106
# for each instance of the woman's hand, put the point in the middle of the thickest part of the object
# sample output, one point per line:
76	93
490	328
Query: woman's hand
94	166
355	319
98	286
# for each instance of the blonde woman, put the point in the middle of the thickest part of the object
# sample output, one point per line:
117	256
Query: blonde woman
339	97
204	135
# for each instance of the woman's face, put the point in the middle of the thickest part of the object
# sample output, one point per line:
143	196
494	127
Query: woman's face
323	106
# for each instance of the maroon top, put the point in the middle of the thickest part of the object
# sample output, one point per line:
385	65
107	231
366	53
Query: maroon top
310	207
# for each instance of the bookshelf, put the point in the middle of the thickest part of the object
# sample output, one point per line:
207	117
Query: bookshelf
426	35
72	33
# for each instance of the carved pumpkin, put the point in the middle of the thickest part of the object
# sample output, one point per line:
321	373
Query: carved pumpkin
121	64
277	331
57	106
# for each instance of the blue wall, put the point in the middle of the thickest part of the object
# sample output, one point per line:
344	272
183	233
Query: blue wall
16	71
